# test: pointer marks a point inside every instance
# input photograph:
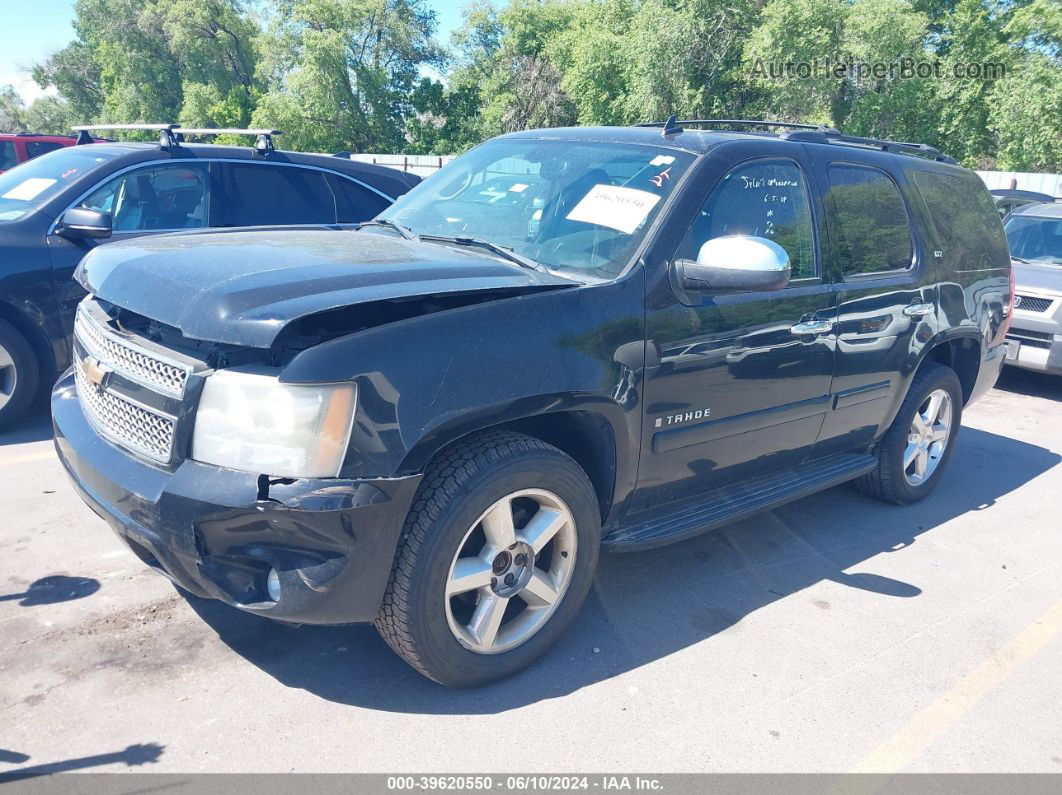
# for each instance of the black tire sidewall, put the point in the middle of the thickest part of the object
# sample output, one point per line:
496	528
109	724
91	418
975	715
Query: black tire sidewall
451	663
937	377
27	370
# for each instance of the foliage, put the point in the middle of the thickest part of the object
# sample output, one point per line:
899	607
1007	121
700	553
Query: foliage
45	114
369	75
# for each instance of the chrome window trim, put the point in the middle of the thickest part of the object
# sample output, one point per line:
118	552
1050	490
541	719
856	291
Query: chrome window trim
205	161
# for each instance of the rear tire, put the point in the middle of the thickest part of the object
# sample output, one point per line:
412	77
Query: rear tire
915	451
464	606
19	374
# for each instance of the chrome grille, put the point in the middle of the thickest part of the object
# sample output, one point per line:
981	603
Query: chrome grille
130	360
1033	303
126	423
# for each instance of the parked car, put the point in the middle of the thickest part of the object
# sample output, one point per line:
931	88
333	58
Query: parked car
17	148
58	207
1034	341
436	422
1008	200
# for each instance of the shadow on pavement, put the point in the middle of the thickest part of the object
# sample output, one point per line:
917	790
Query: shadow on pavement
54	589
34	426
1028	382
133	756
13	757
648	605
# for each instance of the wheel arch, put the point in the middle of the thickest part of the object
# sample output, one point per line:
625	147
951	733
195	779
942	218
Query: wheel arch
962	353
586	433
35	336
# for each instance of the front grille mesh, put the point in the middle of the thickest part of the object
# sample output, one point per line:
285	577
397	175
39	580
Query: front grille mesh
126	423
1033	303
130	361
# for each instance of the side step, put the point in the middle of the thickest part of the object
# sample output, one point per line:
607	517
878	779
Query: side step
738	500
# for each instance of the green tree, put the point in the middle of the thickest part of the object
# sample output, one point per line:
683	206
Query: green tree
341	73
1026	113
50	115
12	110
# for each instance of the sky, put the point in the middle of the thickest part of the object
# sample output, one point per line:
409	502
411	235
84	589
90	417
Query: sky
39	27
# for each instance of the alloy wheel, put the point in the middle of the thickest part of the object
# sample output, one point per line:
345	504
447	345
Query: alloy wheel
511	571
8	376
928	437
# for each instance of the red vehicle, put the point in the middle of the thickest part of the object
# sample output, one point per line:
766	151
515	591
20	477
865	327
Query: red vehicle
17	148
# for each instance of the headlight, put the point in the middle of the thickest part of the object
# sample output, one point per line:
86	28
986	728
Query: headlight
252	422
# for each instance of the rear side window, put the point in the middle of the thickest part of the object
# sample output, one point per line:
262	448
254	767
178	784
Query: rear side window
7	155
264	195
37	148
964	219
868	221
355	203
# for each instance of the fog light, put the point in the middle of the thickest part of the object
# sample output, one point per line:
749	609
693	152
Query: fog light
273	585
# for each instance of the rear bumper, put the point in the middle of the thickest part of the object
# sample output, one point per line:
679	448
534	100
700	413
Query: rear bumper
217	532
988	373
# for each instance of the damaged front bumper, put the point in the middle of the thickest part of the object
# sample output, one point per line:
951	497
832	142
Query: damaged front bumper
219	533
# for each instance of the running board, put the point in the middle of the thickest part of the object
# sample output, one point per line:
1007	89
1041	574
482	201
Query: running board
739	500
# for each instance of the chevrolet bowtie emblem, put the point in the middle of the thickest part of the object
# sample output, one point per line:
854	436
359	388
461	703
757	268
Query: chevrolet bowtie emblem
94	371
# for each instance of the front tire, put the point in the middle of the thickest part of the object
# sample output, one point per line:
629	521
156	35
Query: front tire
495	560
916	449
19	374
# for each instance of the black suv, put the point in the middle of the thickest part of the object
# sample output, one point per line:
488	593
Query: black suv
57	207
563	340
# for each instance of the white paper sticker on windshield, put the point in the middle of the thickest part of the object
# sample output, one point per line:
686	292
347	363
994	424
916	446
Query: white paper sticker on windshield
662	160
28	189
615	207
519	187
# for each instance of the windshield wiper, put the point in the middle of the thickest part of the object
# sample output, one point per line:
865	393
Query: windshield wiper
494	248
405	231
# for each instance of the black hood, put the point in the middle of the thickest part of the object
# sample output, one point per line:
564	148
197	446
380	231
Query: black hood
243	287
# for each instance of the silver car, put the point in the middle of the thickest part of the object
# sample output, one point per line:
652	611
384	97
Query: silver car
1034	233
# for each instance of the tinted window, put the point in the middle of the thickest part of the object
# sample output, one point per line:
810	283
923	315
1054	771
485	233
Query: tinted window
355	203
172	196
276	195
7	155
964	218
764	198
868	221
37	148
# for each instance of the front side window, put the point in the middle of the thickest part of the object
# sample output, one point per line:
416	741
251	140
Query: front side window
761	198
7	156
1035	239
155	198
580	208
868	221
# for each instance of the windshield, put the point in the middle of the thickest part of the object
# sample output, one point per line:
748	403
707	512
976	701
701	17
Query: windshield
1034	239
577	208
36	181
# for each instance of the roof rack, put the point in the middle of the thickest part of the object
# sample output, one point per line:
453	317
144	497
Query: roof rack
167	137
263	145
172	135
896	147
810	133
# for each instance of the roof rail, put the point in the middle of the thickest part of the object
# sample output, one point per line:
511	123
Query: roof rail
896	147
262	146
167	137
675	125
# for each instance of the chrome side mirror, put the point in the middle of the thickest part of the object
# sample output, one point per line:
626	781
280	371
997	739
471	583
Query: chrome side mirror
737	262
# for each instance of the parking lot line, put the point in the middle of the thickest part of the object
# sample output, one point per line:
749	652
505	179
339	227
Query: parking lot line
911	741
25	459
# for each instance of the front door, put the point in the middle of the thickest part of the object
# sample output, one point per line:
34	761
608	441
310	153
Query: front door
737	383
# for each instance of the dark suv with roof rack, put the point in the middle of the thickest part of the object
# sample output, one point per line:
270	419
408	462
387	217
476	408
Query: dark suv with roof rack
58	207
631	336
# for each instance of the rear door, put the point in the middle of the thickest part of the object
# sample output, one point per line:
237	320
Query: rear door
737	383
885	313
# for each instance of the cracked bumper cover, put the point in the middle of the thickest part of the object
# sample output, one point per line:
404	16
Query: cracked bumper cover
331	540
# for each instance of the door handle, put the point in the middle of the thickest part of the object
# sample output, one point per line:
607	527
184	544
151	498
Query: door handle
919	310
812	327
